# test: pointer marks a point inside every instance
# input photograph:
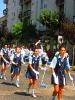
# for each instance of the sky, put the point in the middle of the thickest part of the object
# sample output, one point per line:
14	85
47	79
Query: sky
2	6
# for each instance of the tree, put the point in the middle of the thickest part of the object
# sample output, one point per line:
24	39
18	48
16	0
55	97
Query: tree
17	30
3	32
50	19
29	32
24	31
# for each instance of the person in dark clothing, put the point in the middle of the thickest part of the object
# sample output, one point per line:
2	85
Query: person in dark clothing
16	60
32	73
4	61
59	65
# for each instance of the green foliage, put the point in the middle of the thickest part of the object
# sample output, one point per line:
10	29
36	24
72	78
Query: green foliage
1	34
24	31
49	18
17	29
29	31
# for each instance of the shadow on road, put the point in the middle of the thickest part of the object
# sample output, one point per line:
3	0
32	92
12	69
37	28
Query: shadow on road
7	83
22	93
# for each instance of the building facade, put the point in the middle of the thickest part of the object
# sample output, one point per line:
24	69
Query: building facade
17	9
69	9
13	9
2	24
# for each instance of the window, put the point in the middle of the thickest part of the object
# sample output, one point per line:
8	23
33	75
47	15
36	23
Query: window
74	8
45	5
41	3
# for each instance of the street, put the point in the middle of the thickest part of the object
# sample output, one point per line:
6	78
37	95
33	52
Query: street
9	91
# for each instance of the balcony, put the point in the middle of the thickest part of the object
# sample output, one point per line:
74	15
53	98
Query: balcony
20	15
21	2
59	2
5	11
27	13
27	1
6	1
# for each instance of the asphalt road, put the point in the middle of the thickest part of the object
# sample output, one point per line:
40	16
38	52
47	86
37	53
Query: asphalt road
9	91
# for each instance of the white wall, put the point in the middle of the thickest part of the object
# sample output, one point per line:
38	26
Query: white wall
37	6
13	12
69	8
52	5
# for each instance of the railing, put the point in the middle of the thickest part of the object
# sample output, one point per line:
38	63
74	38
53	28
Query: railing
59	2
27	1
27	13
20	15
5	1
21	2
5	11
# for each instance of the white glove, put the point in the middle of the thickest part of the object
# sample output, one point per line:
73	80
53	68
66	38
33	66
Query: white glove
71	78
55	79
36	72
24	63
16	64
37	42
44	69
9	65
37	76
7	62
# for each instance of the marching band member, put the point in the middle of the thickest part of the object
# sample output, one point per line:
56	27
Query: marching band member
59	65
32	73
4	61
16	60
